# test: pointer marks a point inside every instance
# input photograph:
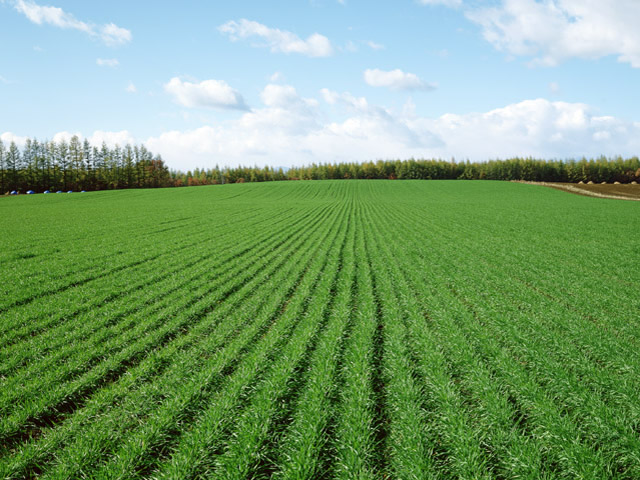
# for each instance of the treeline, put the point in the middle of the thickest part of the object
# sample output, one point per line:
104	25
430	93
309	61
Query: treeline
596	170
76	165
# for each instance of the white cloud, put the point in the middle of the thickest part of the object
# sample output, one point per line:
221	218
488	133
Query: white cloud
113	35
52	15
131	88
395	80
207	94
358	104
110	34
107	62
4	80
66	136
556	30
446	3
8	137
554	87
112	139
315	45
375	46
289	130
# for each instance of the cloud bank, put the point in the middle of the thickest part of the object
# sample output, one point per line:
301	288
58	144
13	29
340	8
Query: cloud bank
291	130
288	129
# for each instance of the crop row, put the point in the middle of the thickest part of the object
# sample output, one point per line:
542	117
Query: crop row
323	330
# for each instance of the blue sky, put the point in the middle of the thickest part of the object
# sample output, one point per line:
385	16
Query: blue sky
285	83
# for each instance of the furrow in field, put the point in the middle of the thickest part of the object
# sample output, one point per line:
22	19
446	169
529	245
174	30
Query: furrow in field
142	446
166	290
564	452
576	385
196	332
275	413
555	357
508	453
609	362
92	266
70	394
85	365
407	446
298	453
31	323
353	442
199	448
246	454
455	441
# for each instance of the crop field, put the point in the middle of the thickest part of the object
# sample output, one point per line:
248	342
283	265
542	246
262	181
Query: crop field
331	329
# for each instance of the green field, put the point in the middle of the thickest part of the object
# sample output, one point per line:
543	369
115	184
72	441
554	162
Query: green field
334	329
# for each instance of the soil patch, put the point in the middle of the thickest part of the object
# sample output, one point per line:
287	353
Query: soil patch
624	191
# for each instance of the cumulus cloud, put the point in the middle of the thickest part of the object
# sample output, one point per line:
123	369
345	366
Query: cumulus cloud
65	136
112	139
110	34
288	130
113	35
131	88
8	137
315	45
354	103
284	96
107	62
206	94
396	80
555	30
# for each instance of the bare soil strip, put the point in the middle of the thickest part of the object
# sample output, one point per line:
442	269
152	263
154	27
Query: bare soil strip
612	191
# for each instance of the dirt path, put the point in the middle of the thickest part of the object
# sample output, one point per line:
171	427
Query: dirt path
609	190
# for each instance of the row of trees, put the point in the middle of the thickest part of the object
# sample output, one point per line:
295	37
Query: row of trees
597	170
77	165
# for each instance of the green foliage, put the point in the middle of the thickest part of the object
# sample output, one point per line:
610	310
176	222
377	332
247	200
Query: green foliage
388	329
66	166
53	166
